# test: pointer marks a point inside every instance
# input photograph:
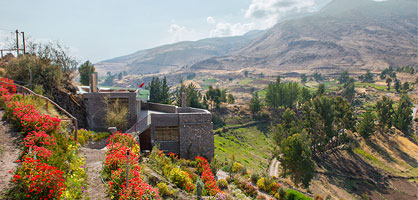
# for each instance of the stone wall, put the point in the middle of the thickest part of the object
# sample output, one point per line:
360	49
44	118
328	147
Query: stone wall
96	108
196	135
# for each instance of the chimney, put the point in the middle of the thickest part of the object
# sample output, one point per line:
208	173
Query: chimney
183	99
93	82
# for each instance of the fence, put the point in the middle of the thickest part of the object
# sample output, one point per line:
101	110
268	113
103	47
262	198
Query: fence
24	91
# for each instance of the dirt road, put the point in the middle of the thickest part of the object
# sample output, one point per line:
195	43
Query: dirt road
274	168
9	153
94	158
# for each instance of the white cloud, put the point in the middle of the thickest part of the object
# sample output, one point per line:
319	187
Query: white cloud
210	20
182	33
263	14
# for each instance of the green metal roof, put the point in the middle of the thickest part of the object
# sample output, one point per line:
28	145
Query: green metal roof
143	94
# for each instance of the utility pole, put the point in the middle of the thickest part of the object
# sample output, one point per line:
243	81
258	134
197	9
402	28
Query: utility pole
17	42
24	44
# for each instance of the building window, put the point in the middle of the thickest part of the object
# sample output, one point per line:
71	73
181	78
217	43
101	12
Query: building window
169	133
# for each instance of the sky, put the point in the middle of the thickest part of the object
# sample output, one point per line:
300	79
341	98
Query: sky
97	30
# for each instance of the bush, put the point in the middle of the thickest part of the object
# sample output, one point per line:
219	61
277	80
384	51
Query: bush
222	184
265	184
254	178
182	179
116	115
248	189
164	190
237	167
295	195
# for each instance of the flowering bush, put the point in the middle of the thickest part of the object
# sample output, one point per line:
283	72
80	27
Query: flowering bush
51	164
207	176
38	180
248	189
115	169
181	178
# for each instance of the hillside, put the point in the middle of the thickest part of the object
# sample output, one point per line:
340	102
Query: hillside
344	34
174	56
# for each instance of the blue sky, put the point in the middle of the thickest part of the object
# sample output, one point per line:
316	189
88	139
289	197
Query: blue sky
102	29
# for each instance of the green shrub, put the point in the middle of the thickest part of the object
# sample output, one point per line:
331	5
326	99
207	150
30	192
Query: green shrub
254	178
237	167
181	179
295	195
164	190
222	184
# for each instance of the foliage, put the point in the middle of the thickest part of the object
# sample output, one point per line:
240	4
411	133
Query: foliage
282	94
159	91
237	167
116	114
388	82
32	70
193	96
397	85
222	184
164	190
384	109
303	78
207	176
366	126
403	114
230	99
343	78
85	70
367	78
115	169
318	76
295	195
255	104
181	178
296	159
248	189
34	179
349	91
216	96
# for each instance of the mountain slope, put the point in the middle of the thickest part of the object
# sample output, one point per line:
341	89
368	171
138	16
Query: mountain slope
345	33
175	55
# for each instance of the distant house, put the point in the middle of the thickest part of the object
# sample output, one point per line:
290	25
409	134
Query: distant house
185	131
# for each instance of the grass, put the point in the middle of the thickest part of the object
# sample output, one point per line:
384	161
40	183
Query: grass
249	146
366	155
365	85
245	81
208	82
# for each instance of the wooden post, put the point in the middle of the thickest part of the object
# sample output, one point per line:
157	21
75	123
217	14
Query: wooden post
46	105
24	44
127	170
17	42
2	54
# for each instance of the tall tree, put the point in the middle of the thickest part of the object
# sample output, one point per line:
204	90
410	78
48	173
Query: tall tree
193	96
368	77
388	82
296	159
321	90
85	70
155	90
349	92
366	126
255	104
343	78
231	99
303	78
397	85
384	109
403	114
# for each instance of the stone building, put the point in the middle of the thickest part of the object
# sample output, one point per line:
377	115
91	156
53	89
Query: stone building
185	131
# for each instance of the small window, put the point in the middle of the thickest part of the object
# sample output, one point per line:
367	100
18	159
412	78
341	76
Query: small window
170	133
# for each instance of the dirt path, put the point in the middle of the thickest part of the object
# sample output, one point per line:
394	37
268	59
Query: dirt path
9	153
274	168
94	158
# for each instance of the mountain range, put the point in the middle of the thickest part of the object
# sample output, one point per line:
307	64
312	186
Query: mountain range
364	34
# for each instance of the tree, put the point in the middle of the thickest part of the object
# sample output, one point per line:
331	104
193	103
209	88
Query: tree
303	78
403	114
384	109
368	77
85	70
405	86
246	73
366	126
296	159
397	85
343	78
388	82
349	92
159	91
120	76
255	104
193	96
321	90
216	96
231	99
317	76
325	107
306	94
344	114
